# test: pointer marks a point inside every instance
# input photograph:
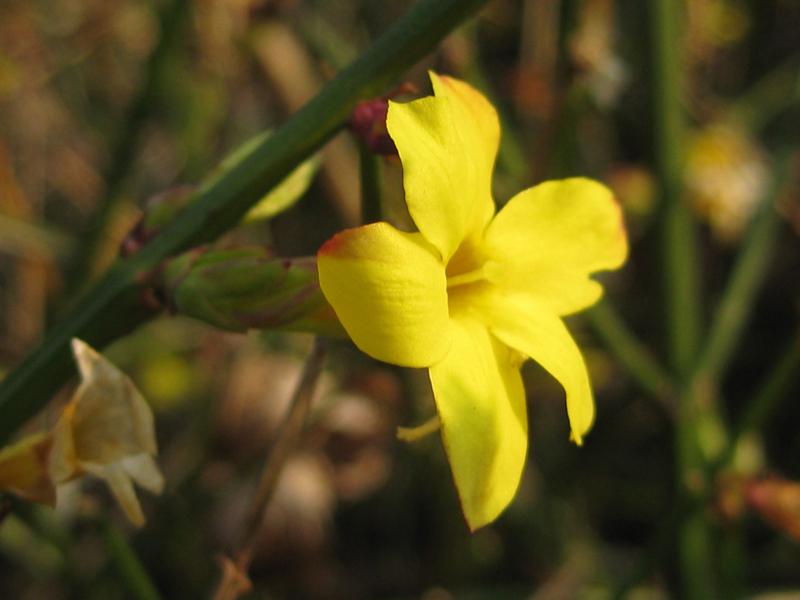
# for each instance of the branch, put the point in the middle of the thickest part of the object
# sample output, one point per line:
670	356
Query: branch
112	307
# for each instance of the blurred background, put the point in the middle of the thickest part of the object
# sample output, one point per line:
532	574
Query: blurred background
104	105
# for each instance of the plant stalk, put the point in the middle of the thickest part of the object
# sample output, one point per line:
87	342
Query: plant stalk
681	291
235	571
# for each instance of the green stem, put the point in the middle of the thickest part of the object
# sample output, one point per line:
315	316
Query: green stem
638	361
678	236
769	96
371	192
764	404
649	558
748	274
109	309
130	569
681	290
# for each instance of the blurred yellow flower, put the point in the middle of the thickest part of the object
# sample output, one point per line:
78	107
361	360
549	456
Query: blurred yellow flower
726	178
105	430
472	294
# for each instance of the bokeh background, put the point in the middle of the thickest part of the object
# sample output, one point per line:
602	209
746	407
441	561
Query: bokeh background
103	105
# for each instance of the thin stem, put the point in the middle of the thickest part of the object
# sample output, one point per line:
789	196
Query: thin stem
762	406
770	392
632	354
748	275
371	192
650	557
113	306
132	574
230	585
771	94
79	270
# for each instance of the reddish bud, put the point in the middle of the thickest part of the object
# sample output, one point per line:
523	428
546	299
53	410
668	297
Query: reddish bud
368	121
777	500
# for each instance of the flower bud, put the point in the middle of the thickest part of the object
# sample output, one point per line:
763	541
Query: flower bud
160	210
777	500
248	288
368	122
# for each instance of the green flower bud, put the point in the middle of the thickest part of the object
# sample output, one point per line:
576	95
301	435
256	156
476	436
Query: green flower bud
249	288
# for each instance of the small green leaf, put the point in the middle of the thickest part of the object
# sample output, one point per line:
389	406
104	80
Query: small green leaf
286	193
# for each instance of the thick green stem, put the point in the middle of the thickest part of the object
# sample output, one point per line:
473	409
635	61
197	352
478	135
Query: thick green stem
681	289
681	284
106	311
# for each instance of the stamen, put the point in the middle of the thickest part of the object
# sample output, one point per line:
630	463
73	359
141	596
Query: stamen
413	434
465	278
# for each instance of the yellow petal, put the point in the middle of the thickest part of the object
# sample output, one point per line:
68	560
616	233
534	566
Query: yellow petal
388	289
109	419
550	238
535	331
447	145
481	404
479	128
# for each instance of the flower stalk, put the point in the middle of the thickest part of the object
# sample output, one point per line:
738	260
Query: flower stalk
234	580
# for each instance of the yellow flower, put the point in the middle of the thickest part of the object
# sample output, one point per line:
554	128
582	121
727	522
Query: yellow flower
472	294
726	177
106	430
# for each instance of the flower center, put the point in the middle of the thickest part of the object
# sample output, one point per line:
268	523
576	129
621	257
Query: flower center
466	265
465	278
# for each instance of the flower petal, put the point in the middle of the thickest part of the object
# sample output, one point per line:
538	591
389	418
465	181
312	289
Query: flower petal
109	417
481	404
24	468
121	487
534	330
142	469
447	144
550	238
389	290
